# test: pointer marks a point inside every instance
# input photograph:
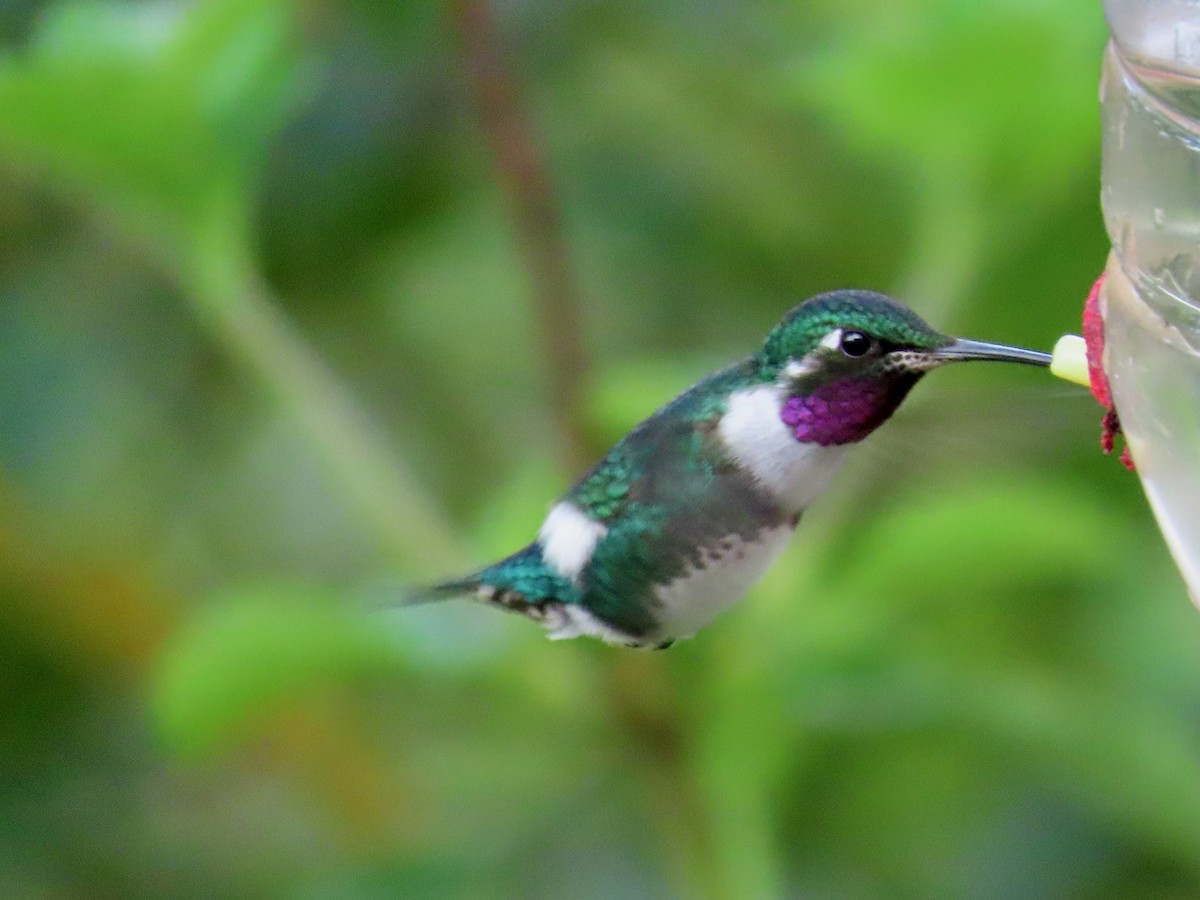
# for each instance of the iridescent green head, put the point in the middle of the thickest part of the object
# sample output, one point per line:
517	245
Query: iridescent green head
852	331
848	358
861	334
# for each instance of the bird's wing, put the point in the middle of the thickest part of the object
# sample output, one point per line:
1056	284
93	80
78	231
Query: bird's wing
665	493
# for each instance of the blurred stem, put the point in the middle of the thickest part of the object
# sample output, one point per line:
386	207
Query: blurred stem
648	711
740	781
521	169
233	302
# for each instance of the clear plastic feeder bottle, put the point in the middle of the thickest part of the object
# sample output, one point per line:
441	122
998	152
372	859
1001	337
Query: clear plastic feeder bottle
1150	97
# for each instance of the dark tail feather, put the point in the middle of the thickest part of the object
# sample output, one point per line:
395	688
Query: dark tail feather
447	590
498	583
391	597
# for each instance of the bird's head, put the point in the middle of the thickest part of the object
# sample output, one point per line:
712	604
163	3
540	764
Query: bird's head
845	360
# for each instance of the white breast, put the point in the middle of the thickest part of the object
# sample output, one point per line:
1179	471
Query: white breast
794	473
728	569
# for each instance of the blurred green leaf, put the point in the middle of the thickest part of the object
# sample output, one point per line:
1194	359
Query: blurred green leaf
147	110
941	557
965	539
982	106
974	674
956	85
249	653
1124	756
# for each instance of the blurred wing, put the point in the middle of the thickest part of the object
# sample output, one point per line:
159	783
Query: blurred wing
669	495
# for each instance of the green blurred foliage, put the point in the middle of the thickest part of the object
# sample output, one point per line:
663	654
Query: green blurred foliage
267	351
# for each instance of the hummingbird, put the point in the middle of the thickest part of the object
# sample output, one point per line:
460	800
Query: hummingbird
688	510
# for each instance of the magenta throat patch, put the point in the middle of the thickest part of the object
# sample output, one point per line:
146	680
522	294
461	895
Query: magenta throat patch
842	412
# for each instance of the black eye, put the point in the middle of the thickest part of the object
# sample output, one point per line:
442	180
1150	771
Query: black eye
855	343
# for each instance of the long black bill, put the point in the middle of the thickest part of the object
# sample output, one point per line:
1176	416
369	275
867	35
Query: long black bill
962	350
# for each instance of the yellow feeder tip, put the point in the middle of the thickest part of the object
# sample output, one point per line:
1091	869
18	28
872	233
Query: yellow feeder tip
1069	360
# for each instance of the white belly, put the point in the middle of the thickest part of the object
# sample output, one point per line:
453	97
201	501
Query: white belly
729	569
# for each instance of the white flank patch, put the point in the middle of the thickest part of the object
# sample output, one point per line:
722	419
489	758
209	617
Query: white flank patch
728	569
794	473
569	620
568	538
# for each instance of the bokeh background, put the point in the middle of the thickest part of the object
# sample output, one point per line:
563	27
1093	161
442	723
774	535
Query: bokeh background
303	301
